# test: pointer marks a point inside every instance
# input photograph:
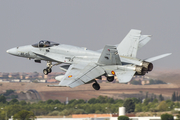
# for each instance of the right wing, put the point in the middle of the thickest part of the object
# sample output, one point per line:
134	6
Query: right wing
81	73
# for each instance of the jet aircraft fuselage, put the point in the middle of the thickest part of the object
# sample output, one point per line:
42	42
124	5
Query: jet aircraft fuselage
66	51
84	66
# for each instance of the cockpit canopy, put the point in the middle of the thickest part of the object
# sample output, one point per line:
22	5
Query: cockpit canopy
45	43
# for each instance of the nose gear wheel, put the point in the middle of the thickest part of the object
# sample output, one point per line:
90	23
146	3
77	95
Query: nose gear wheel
47	71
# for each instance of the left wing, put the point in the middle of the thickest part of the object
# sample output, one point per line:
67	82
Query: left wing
81	73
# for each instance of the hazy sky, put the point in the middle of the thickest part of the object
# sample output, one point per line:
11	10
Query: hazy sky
88	23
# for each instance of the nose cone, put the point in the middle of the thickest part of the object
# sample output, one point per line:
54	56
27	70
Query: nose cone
12	51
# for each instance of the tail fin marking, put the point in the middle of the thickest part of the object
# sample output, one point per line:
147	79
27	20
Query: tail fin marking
109	56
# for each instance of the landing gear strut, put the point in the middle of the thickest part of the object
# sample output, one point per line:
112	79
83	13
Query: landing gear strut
96	86
49	67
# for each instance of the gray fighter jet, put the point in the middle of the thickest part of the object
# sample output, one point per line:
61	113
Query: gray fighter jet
84	66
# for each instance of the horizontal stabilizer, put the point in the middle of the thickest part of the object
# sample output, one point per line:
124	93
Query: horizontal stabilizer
124	76
157	57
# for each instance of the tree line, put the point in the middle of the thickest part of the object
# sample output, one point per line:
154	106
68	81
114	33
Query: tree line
102	104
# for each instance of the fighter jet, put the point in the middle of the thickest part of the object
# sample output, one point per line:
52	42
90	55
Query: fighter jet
83	66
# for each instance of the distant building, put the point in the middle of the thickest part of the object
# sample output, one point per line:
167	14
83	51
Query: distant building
28	77
4	81
16	80
27	81
91	115
14	75
142	79
22	75
42	81
40	76
5	75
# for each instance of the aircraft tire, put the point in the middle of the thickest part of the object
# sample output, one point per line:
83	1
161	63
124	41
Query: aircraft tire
110	79
49	70
45	71
96	86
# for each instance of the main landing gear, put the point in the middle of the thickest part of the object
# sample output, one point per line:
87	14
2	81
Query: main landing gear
110	79
96	86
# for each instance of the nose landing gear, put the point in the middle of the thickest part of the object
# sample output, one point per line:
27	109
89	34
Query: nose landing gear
48	69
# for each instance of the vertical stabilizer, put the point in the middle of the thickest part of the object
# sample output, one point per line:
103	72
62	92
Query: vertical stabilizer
143	40
129	45
109	56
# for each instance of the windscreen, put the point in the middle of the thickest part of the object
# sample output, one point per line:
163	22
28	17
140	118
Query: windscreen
45	43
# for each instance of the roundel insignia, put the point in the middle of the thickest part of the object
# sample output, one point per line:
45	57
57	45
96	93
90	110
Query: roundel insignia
113	72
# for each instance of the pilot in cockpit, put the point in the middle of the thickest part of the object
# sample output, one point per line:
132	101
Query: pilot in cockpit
44	44
41	43
47	44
